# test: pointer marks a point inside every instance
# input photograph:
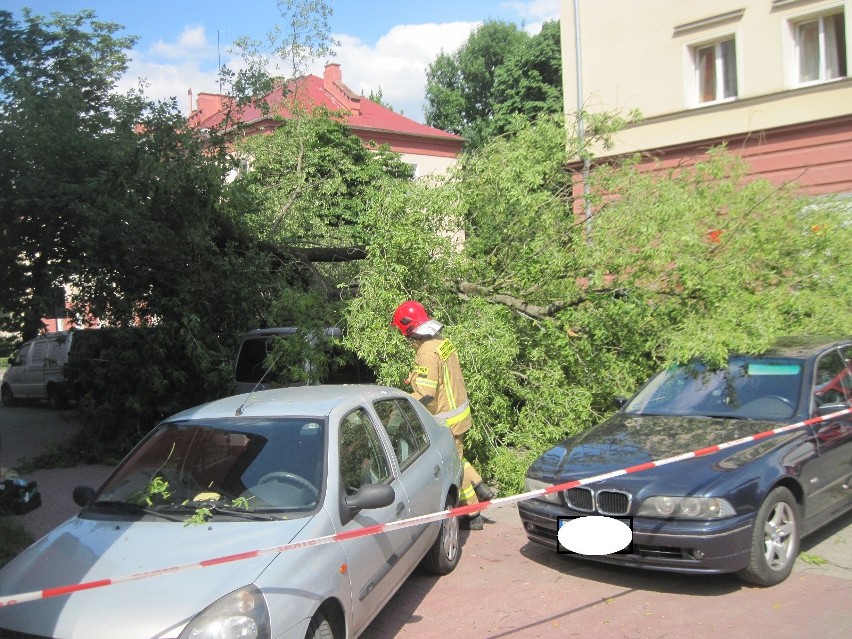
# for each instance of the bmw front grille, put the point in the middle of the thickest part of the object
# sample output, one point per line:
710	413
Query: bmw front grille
605	502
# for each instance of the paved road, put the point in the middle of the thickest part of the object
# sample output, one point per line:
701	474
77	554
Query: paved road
506	587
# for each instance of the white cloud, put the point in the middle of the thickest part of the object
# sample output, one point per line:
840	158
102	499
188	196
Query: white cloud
534	13
191	43
539	10
171	69
164	81
397	63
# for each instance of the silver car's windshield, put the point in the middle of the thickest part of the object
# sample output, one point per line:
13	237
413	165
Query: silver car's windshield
749	388
230	466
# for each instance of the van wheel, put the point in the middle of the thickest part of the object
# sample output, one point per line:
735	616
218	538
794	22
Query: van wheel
54	398
7	397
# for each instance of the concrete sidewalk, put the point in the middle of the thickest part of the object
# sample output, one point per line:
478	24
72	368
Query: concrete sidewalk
56	486
26	431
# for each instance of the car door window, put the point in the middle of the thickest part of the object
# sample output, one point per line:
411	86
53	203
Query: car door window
833	384
362	458
39	350
55	351
21	357
404	428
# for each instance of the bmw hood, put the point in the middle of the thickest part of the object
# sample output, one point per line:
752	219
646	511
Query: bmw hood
625	440
84	551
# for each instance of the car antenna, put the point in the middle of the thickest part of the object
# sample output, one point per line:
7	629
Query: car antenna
239	410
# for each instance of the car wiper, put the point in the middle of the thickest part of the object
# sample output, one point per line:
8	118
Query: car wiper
216	509
727	416
130	507
241	513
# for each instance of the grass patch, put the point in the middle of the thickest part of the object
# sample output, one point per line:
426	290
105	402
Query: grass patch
813	560
13	538
79	449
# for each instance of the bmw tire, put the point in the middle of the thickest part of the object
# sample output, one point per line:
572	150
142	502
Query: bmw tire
775	540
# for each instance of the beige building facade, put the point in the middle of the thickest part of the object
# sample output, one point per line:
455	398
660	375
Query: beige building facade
769	77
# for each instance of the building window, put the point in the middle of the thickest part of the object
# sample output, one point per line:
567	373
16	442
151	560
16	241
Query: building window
716	71
821	48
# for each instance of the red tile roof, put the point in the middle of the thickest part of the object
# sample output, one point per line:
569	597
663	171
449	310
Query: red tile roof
369	120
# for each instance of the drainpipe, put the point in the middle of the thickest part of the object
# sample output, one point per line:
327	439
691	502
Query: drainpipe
581	133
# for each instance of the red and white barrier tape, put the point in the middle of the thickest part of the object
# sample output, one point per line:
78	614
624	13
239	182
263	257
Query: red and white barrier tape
406	523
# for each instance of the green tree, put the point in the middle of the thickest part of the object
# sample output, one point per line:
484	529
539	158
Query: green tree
113	195
549	325
58	132
287	51
379	98
302	192
460	86
529	82
306	183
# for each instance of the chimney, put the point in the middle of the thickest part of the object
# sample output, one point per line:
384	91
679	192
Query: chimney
333	75
207	104
332	82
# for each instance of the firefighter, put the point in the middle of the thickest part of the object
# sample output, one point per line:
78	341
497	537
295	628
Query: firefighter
438	384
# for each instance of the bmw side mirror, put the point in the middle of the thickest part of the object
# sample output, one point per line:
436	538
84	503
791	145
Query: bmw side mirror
828	409
620	401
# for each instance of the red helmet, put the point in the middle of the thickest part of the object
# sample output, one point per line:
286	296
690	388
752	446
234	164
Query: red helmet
408	316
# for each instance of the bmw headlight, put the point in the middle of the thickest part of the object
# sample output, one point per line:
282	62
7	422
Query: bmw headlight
686	507
535	484
241	614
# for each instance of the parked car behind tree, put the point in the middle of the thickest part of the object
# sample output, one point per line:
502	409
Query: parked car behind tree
36	371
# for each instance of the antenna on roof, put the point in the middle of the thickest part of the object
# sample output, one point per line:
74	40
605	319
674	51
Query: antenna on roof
219	61
239	410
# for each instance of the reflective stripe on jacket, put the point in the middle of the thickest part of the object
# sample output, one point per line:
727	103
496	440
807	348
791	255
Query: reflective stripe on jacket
437	374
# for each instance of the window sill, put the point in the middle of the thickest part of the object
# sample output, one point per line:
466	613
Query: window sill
813	83
701	105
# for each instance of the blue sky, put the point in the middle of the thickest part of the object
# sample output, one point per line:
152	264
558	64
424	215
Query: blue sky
384	44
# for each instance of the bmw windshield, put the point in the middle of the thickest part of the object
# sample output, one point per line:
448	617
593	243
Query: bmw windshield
749	388
229	467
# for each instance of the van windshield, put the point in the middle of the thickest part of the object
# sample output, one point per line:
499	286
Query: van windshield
250	368
285	359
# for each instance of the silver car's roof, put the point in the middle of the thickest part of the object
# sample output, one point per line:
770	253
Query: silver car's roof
292	401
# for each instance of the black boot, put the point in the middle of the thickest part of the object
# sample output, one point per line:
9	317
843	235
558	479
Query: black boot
472	522
484	492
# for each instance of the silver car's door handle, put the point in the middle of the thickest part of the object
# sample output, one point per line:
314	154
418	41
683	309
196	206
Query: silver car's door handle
437	470
400	509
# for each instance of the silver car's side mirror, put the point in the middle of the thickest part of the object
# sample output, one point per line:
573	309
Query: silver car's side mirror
368	496
83	495
371	496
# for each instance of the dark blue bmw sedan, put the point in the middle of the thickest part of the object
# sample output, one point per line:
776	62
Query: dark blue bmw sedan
742	509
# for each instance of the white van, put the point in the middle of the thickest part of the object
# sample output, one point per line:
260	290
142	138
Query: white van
36	371
338	366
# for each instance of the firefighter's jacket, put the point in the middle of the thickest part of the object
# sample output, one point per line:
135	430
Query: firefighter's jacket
437	374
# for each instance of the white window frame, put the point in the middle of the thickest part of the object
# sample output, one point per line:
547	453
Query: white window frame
795	23
720	76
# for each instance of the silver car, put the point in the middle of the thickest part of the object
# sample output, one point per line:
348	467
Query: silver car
241	474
